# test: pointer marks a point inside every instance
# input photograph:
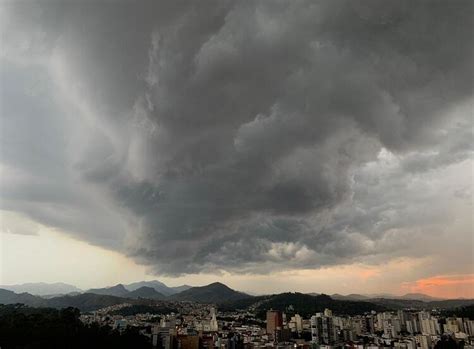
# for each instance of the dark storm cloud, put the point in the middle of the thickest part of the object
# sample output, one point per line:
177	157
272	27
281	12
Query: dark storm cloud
240	136
36	178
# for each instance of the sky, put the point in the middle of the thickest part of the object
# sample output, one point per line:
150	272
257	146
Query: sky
313	146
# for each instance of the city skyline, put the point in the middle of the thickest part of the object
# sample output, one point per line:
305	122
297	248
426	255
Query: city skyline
313	146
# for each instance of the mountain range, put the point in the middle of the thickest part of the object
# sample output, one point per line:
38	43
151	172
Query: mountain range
225	297
50	290
144	289
212	293
42	288
408	296
158	286
98	298
117	291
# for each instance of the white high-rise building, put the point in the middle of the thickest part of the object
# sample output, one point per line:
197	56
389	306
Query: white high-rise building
213	325
430	326
460	322
469	327
411	326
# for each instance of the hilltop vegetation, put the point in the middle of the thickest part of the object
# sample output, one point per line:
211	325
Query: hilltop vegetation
23	327
464	312
307	305
303	304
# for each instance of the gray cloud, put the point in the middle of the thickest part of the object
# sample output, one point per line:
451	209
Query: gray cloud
239	137
37	176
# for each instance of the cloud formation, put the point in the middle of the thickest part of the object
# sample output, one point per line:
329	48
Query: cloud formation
244	137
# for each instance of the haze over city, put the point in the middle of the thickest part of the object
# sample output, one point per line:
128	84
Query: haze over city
310	146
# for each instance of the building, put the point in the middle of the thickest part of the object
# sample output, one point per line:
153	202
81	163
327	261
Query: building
186	342
213	325
451	325
469	327
410	325
322	329
369	324
424	342
274	321
402	317
389	328
296	323
430	326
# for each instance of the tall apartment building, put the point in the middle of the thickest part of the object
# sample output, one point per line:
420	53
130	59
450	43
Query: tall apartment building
274	321
213	325
430	326
322	329
296	322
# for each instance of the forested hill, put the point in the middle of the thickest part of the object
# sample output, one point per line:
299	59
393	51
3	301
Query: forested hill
23	327
303	304
307	304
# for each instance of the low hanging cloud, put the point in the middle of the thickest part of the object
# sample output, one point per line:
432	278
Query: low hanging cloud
240	137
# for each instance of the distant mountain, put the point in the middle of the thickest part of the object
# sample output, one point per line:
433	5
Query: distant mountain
333	296
48	296
146	292
418	304
228	300
85	301
117	290
181	288
350	297
408	296
212	293
42	288
382	295
10	297
420	297
158	286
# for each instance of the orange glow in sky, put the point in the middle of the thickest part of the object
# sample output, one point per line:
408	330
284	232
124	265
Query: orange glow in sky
446	286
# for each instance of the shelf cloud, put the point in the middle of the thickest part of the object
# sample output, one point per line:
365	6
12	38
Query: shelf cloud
242	137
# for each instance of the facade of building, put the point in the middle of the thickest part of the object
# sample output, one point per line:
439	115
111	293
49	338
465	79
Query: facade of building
274	321
322	329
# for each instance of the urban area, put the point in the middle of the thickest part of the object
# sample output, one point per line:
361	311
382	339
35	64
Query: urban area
199	326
